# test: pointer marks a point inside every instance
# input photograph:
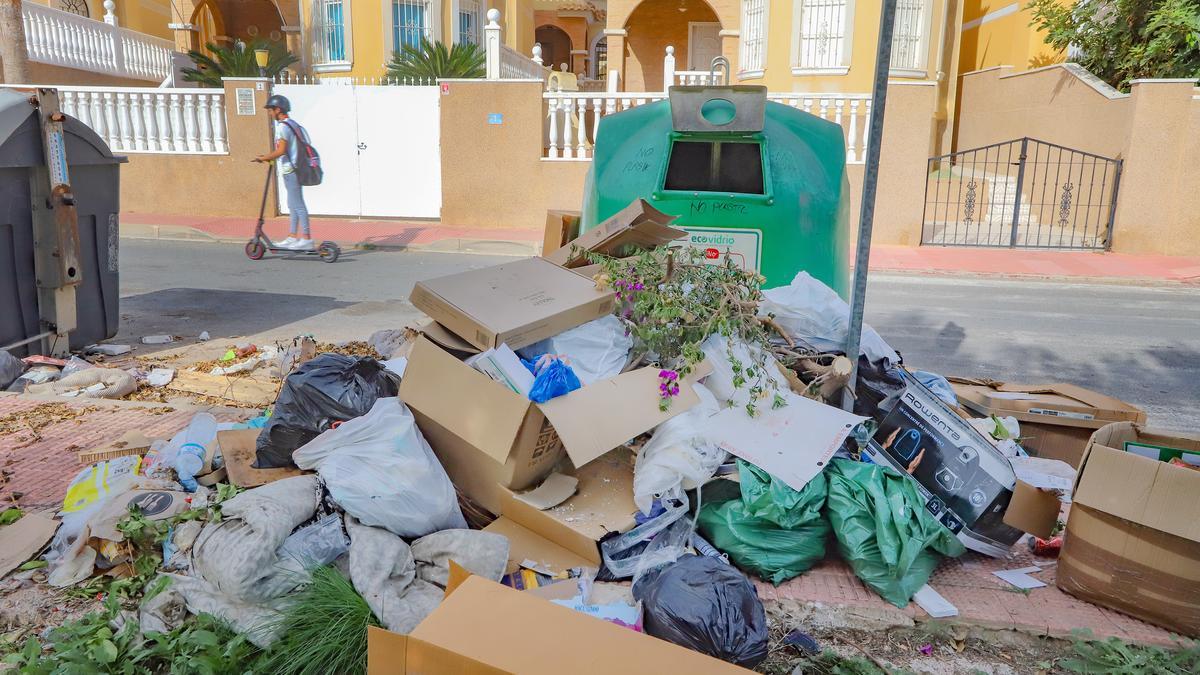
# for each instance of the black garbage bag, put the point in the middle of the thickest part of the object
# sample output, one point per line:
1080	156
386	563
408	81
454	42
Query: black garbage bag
707	605
326	389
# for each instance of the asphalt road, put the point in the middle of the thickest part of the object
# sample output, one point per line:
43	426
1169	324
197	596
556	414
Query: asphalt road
1140	344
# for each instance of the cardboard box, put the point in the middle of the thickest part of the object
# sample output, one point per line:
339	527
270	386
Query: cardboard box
967	483
516	303
1133	536
638	226
561	227
482	628
486	435
1056	419
602	503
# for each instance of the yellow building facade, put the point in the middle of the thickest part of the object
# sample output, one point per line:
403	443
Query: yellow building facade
998	33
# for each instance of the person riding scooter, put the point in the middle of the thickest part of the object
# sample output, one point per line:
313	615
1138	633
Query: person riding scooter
287	152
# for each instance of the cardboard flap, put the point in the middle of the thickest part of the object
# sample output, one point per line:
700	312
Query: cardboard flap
443	338
639	224
1085	396
483	413
1032	510
1143	491
528	547
608	413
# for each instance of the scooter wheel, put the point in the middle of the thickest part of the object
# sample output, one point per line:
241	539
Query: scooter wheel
329	251
255	250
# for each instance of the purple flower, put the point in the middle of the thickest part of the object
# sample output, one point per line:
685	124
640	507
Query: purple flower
927	649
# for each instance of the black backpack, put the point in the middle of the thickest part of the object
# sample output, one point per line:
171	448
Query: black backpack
308	167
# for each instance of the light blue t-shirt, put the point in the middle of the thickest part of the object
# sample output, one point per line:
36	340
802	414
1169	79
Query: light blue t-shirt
283	131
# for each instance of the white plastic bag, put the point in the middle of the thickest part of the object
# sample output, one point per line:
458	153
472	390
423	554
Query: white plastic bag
717	349
677	457
813	313
379	468
597	349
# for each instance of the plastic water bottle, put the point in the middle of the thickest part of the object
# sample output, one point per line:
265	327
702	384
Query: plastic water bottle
201	431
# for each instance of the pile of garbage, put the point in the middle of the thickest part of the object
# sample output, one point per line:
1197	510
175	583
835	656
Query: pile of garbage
630	435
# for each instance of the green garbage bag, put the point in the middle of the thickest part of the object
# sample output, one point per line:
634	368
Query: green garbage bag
883	530
773	531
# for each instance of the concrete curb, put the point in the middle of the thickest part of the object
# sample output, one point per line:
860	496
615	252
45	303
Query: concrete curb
448	245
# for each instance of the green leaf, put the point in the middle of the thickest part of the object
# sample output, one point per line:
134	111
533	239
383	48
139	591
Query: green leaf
32	565
10	516
104	652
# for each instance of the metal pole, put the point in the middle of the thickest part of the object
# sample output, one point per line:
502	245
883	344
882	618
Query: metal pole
866	218
1016	219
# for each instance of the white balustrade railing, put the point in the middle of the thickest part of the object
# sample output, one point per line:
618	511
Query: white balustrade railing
696	77
573	117
516	66
72	41
162	120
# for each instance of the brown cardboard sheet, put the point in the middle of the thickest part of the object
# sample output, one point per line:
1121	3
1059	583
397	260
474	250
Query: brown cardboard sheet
238	449
516	303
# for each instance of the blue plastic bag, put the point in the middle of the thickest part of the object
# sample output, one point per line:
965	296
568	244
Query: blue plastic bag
938	385
554	379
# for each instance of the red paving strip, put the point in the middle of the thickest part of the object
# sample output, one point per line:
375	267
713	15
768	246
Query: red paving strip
981	598
1039	263
43	469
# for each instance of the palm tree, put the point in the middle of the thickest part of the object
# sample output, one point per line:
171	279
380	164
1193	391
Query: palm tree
431	60
236	61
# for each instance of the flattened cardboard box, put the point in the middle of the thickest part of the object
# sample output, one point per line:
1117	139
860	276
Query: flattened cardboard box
484	628
637	226
1133	536
1056	419
516	303
467	419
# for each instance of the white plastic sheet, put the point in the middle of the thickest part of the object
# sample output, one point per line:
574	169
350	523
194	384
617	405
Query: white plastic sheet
597	349
380	469
811	312
678	456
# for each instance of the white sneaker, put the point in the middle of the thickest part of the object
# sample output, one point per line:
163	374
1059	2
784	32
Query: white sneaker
286	243
303	245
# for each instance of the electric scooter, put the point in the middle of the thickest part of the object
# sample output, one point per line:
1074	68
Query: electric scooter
257	247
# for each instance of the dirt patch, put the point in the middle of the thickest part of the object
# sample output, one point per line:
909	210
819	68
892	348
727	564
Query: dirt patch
39	417
355	348
933	647
28	607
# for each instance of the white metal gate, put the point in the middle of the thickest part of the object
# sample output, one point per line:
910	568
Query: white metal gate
379	145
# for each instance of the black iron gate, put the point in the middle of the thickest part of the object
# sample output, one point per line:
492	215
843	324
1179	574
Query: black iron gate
1022	193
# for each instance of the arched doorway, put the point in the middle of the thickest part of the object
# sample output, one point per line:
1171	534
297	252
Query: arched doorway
691	26
210	27
598	58
556	46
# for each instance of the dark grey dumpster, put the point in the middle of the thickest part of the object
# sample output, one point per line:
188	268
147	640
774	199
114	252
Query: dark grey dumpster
95	181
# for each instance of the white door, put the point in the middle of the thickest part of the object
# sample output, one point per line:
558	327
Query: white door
704	44
329	114
380	149
399	151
